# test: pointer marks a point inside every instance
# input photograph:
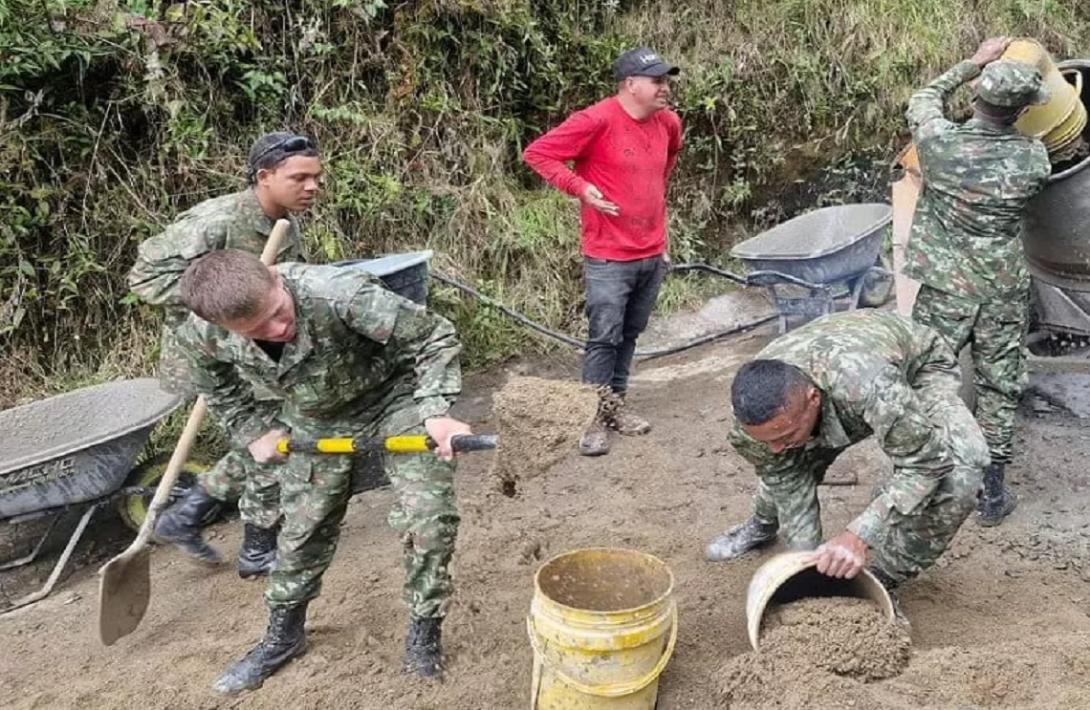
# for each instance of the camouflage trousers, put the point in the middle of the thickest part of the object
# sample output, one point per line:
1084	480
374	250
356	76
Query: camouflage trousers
314	493
909	543
255	486
995	332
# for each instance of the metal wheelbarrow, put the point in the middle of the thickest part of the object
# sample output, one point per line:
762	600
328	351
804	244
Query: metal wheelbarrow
811	263
77	450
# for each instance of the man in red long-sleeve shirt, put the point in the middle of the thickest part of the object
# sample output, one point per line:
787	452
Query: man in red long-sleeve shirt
623	149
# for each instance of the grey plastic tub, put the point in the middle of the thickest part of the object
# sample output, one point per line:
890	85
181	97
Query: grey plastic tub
823	246
404	274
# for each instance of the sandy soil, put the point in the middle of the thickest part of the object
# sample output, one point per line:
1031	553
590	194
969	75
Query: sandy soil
539	422
1001	622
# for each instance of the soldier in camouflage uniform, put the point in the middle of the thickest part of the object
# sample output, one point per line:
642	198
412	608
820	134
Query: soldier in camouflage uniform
829	384
283	172
966	246
346	358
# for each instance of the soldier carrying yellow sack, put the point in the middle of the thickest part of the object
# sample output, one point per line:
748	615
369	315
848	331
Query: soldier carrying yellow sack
282	175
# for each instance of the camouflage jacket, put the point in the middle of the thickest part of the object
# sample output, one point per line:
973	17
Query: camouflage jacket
234	221
879	374
363	361
967	232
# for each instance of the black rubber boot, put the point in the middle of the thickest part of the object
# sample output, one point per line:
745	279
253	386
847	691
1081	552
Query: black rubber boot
257	556
284	640
423	653
891	586
740	539
180	525
884	579
997	501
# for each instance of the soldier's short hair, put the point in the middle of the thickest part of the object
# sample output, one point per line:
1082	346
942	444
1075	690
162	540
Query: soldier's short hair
226	285
274	148
762	389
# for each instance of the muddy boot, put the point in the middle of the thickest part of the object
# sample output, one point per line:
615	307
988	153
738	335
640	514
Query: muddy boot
595	438
997	501
423	655
257	555
180	525
740	539
284	640
623	421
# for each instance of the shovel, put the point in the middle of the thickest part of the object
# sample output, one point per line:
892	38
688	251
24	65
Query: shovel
125	581
408	444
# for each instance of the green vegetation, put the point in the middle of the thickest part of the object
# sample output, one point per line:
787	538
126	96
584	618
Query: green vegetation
115	116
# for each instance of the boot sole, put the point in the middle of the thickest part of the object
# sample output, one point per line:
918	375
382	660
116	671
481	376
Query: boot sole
247	688
216	561
991	522
756	547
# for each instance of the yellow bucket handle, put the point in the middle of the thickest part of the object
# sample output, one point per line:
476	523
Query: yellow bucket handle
612	690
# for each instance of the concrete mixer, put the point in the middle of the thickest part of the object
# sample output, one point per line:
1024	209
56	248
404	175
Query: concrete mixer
1057	240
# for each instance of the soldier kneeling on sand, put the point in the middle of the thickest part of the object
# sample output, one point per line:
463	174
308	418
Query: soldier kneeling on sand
815	391
346	358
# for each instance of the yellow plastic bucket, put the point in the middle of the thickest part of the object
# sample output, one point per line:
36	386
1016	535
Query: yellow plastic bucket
789	576
603	626
1063	118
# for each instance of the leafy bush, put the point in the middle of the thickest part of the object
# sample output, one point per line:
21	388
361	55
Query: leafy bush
116	116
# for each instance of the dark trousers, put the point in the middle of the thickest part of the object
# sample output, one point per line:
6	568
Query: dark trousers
620	298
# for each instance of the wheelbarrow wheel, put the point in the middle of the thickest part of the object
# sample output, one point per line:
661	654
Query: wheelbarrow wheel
134	508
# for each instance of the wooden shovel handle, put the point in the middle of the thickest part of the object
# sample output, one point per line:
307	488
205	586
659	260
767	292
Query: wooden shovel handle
196	416
177	460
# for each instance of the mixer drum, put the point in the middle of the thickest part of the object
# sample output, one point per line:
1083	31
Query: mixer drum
1057	239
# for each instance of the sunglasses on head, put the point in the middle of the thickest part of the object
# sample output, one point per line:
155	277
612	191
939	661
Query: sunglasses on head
291	144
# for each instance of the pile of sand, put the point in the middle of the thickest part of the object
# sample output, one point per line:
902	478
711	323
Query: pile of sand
539	422
813	650
1049	672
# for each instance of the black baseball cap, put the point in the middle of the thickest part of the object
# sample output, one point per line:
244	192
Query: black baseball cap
642	61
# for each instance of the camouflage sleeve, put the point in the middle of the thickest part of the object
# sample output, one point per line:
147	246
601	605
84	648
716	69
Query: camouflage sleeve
788	479
912	441
1044	165
426	340
162	259
925	108
230	399
294	247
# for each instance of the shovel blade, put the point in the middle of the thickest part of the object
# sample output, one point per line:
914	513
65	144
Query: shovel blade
124	589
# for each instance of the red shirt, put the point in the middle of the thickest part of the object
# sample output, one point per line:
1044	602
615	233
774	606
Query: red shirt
629	161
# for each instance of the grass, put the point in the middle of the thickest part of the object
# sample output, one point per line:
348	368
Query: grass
422	114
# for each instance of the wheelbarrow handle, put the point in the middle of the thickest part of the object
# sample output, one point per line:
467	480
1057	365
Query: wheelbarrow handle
708	269
766	277
408	444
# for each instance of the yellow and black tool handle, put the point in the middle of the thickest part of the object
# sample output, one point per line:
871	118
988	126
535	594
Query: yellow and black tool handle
410	444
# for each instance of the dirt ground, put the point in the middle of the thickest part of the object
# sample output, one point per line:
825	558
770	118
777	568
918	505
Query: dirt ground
1001	622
